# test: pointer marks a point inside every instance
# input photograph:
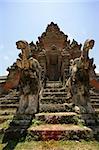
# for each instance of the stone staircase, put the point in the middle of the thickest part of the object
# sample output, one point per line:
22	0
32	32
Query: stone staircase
53	98
12	125
95	101
8	106
9	103
58	119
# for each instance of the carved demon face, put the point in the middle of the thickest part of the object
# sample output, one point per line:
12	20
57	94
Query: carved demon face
21	44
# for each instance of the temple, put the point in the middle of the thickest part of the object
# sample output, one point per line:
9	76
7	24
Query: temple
53	50
53	81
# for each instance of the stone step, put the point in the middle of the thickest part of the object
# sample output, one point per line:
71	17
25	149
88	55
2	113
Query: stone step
3	106
56	118
94	100
65	107
94	94
54	90
53	84
94	97
12	99
53	100
57	94
4	118
95	105
9	98
7	111
17	126
9	101
59	132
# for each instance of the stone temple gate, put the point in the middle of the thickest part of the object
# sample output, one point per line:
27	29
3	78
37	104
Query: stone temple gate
53	50
50	81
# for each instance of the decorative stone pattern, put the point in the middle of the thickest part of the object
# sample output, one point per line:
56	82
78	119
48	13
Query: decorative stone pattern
53	50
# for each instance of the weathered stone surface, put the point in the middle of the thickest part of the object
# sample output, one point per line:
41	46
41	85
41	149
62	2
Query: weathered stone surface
78	83
29	84
58	118
65	107
59	132
40	75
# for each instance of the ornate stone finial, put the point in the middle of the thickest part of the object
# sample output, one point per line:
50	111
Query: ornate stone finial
74	43
88	44
32	46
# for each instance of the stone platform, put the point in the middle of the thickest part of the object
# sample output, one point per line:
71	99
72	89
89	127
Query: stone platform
59	132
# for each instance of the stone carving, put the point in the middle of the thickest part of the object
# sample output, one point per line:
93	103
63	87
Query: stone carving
13	78
53	41
29	84
78	82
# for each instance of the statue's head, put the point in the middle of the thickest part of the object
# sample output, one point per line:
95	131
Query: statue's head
88	44
21	44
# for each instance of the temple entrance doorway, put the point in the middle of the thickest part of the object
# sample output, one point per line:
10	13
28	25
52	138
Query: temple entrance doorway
53	69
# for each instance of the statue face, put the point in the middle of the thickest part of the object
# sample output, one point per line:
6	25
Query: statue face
91	44
21	45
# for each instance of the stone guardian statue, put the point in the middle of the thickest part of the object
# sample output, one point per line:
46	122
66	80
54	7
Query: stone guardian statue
29	84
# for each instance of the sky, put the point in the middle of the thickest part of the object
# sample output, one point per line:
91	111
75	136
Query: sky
28	19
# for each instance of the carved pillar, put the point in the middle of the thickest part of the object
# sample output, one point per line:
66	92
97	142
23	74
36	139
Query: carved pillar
65	65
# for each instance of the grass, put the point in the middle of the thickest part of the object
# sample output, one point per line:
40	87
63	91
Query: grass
56	145
5	124
36	122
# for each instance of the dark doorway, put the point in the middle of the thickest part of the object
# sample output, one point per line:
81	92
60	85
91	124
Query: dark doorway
53	73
